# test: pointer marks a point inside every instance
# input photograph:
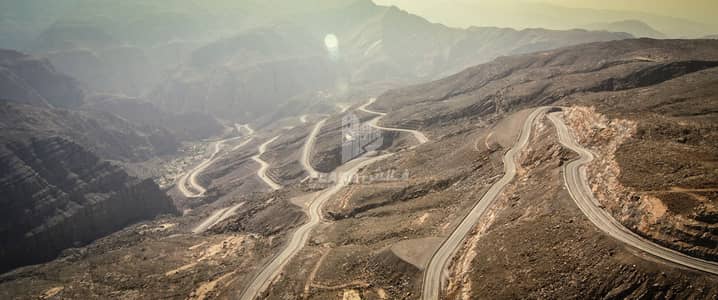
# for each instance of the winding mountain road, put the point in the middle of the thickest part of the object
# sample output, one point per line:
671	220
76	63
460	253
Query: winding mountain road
299	238
195	189
420	137
218	216
574	176
307	150
264	166
435	273
246	127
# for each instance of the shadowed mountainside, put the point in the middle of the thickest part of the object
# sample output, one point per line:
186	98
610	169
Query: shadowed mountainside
31	80
58	195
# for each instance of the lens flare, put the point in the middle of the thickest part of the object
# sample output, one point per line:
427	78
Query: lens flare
332	43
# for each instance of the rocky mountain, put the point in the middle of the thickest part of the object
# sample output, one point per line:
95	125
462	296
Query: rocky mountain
214	58
559	15
248	75
189	126
355	47
634	27
635	81
59	190
106	134
39	101
27	79
58	195
121	70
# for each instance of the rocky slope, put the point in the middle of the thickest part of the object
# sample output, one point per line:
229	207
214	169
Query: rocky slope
57	195
186	126
535	243
59	190
660	153
27	79
510	83
107	135
37	100
122	70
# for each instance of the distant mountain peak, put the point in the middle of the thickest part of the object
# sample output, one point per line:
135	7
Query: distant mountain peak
636	28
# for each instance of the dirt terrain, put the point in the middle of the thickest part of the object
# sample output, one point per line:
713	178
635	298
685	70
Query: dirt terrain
558	253
666	159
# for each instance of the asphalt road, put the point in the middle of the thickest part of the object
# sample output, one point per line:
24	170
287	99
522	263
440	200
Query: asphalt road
299	238
420	137
436	271
264	166
218	216
574	177
197	190
307	151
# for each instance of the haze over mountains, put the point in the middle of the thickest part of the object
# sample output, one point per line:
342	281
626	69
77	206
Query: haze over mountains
673	19
199	150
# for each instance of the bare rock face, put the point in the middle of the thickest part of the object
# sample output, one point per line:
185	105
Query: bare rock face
57	195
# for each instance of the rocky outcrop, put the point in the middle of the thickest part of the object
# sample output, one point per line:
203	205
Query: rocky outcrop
57	195
677	217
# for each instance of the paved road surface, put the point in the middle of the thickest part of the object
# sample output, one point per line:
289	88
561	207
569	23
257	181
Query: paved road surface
435	273
218	216
420	137
246	127
264	166
342	107
307	151
574	177
301	235
195	189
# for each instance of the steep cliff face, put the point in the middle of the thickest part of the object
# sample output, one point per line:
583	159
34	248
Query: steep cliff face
58	195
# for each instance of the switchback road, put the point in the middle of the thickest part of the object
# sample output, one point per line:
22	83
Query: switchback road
300	236
307	150
264	166
420	137
190	177
435	273
574	176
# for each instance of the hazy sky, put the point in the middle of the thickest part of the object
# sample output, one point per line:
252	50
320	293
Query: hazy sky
515	13
697	10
